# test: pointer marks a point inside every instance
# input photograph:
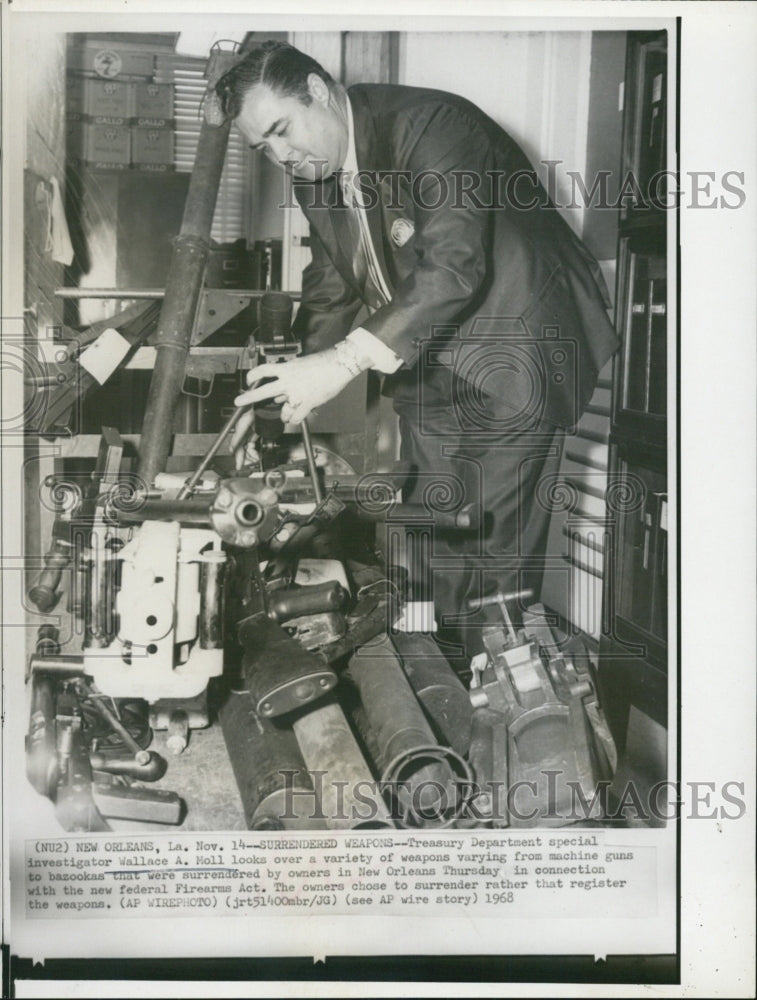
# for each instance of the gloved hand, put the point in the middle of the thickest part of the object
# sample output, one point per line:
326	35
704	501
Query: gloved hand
301	385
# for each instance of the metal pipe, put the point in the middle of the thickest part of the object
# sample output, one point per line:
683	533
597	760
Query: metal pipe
152	293
389	510
178	732
211	619
437	686
273	782
400	730
63	665
44	594
152	769
502	599
79	595
185	511
310	456
100	621
110	293
183	288
188	488
390	705
348	795
41	759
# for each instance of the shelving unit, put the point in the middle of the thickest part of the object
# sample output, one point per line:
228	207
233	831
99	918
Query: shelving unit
633	671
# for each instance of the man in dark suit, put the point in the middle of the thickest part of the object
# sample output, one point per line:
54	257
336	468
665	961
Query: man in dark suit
437	259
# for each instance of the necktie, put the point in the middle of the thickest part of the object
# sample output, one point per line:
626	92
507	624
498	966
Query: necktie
364	261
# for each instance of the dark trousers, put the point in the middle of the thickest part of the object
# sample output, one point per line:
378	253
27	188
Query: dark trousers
465	447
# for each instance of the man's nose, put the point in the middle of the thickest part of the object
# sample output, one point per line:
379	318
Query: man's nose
281	151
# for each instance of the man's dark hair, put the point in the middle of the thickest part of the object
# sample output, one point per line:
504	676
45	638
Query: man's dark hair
279	66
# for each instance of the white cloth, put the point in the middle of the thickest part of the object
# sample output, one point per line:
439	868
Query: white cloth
59	239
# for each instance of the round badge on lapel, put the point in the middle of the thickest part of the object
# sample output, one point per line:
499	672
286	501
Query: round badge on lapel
402	230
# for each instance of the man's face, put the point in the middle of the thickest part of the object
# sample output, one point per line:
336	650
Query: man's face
310	140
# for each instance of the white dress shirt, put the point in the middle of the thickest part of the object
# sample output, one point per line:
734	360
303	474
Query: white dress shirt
382	358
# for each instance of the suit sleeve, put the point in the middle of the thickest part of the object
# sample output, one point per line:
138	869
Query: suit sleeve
329	305
452	234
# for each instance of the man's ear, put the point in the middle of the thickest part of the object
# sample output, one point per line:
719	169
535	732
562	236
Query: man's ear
318	89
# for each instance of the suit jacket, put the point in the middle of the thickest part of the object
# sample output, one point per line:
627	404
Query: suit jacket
486	276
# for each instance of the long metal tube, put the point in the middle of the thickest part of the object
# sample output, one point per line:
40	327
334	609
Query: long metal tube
310	456
183	288
273	783
188	488
152	293
390	704
211	617
348	794
398	725
191	511
439	689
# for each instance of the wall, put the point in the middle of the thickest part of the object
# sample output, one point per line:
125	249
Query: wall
608	65
45	143
534	84
44	159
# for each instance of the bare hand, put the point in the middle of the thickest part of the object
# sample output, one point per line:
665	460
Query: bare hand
301	384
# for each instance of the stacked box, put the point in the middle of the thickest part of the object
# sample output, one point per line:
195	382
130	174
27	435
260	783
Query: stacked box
106	146
152	127
108	102
115	124
113	120
110	62
152	105
152	149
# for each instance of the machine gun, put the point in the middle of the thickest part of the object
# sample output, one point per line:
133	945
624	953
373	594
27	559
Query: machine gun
177	591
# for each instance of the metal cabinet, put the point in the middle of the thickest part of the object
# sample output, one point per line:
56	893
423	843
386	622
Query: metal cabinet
633	668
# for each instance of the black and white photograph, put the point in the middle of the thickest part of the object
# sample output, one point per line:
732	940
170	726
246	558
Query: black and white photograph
358	382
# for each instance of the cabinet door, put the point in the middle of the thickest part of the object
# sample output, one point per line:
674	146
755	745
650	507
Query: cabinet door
639	400
645	129
638	507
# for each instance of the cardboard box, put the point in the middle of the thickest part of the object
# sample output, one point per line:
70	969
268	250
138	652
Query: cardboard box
152	146
152	168
109	62
153	102
145	122
107	146
109	102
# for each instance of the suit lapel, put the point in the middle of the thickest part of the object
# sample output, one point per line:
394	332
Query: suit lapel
370	156
322	206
